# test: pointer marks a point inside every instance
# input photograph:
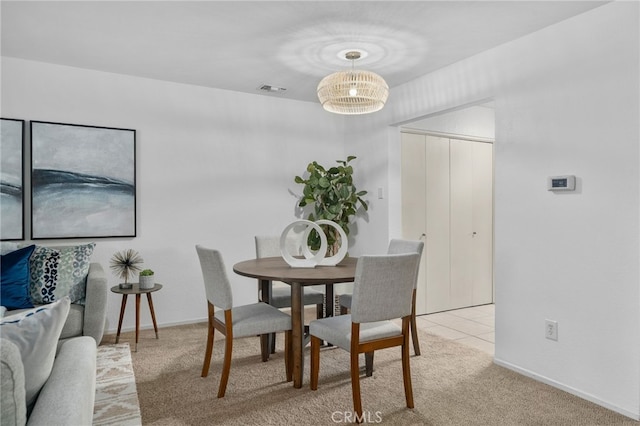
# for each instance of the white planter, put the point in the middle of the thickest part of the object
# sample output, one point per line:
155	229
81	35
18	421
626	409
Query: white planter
147	281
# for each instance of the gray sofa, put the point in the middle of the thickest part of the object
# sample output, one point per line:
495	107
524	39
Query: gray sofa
67	397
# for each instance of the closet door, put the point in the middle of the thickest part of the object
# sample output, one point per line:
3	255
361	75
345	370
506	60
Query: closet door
461	172
447	194
414	202
482	241
437	215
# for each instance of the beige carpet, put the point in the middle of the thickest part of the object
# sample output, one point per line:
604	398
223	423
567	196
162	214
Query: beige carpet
453	385
116	396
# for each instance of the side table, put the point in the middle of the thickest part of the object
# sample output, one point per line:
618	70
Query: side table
125	292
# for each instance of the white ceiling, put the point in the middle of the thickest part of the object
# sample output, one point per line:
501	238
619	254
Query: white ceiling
241	45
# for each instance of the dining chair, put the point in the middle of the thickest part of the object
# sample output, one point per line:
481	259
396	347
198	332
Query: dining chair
382	291
269	246
397	246
239	321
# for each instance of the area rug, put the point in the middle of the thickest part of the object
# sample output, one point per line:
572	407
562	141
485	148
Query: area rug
453	385
116	394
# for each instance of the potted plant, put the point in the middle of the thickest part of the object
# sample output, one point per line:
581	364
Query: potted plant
334	197
147	279
125	264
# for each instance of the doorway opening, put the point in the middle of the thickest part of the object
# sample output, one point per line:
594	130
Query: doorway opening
446	167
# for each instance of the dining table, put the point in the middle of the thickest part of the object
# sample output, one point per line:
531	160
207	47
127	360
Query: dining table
269	269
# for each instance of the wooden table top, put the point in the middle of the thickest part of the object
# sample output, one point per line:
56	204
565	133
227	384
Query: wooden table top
276	269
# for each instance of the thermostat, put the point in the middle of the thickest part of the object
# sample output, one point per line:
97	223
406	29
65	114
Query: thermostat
561	183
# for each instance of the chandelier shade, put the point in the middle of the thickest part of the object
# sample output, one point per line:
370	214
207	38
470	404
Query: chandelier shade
353	91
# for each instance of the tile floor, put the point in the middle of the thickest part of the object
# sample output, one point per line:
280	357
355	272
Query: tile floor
470	326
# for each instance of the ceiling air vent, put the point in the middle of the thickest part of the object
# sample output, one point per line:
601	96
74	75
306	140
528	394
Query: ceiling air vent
272	89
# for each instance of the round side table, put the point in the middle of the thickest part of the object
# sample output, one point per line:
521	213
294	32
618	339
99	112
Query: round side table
135	289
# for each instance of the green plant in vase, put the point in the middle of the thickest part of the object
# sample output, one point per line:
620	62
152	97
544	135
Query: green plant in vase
146	279
334	197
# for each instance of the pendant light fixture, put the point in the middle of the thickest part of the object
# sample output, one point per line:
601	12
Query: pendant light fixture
353	92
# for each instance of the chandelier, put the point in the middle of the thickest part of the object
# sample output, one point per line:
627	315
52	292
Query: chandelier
353	92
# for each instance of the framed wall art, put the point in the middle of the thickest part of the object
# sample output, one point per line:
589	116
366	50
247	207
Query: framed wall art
83	181
11	179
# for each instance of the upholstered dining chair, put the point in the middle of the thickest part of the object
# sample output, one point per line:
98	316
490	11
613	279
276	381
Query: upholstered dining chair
397	246
382	291
269	246
240	321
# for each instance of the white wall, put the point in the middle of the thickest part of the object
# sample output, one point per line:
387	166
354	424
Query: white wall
566	102
213	167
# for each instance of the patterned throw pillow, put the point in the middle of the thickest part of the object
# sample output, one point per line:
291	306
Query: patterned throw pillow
35	332
59	272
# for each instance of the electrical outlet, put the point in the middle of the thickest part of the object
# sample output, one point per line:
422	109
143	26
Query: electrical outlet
551	330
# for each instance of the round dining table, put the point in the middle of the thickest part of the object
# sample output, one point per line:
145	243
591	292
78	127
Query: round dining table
268	269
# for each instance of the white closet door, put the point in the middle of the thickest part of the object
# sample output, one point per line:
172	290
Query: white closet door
482	259
437	212
461	171
414	202
447	194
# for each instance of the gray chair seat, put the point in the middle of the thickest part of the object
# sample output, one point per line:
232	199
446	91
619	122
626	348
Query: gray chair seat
254	319
281	297
337	330
345	300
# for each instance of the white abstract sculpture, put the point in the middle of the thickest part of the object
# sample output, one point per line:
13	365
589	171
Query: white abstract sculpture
344	246
311	260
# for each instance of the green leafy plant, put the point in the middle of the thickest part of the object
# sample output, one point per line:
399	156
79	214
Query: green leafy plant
334	197
126	263
146	273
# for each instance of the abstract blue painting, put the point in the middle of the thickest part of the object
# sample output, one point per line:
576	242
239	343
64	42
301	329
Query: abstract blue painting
11	179
83	181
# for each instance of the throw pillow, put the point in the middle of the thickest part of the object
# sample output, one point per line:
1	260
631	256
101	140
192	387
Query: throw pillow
59	272
35	332
14	281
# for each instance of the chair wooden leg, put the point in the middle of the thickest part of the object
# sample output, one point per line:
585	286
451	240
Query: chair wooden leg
406	371
273	343
288	355
355	371
414	328
209	350
228	349
264	347
355	385
368	357
414	336
315	362
320	310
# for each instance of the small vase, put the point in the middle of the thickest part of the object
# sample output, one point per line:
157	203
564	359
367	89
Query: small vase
147	282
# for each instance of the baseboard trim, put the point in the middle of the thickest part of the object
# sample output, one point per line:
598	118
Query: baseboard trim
568	389
114	330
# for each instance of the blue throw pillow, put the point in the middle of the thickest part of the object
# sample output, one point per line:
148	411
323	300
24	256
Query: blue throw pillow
14	284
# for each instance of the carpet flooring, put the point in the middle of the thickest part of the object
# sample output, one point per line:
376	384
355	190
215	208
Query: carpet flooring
453	385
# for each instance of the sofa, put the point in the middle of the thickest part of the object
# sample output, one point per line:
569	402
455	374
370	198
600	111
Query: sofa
44	381
57	306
